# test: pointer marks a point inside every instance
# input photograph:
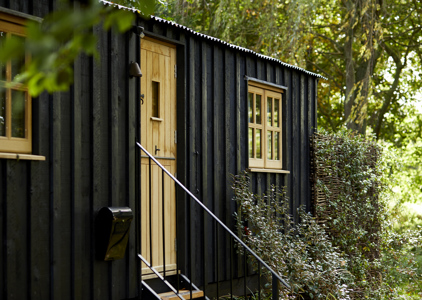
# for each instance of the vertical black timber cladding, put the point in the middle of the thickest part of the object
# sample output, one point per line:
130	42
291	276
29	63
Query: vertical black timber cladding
191	154
204	156
303	134
230	150
100	285
198	159
21	6
15	231
61	218
305	159
82	177
208	150
288	137
241	113
39	202
219	145
311	100
197	212
133	53
117	79
296	117
3	228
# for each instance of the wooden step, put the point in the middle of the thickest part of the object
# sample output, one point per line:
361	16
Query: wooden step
185	294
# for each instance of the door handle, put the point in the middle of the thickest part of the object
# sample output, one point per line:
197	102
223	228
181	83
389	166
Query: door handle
156	149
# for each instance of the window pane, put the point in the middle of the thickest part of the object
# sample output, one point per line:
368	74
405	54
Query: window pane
155	99
18	65
258	109
2	112
250	107
2	65
251	143
18	114
269	145
276	112
277	145
269	111
258	143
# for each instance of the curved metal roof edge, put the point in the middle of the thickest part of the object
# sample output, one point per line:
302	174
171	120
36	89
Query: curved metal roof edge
214	39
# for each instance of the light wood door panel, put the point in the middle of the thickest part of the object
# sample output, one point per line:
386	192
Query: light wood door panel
158	129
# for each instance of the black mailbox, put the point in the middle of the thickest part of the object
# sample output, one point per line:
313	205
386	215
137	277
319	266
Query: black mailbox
112	232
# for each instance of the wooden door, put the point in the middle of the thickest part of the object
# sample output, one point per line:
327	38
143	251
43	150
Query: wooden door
158	136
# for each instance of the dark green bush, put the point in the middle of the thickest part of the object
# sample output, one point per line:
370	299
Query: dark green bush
301	253
349	250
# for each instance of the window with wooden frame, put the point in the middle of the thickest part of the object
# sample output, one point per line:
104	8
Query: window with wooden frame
15	102
265	127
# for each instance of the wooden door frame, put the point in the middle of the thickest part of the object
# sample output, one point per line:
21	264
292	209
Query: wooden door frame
181	148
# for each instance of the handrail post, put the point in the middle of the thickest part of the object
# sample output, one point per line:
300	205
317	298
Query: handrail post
245	272
150	211
259	280
275	287
163	223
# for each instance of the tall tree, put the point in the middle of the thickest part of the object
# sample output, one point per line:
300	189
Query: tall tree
370	50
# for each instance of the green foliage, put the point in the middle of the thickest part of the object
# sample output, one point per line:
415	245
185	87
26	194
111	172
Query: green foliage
402	263
350	251
386	263
301	253
352	204
405	172
370	51
64	34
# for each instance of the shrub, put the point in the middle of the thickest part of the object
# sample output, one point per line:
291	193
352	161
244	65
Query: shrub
301	253
348	199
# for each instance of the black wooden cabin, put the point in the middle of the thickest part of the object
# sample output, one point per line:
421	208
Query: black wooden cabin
84	157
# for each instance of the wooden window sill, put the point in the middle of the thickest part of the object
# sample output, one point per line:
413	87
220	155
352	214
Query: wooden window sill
256	170
18	156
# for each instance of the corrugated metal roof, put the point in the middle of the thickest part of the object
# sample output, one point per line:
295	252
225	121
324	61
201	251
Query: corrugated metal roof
187	29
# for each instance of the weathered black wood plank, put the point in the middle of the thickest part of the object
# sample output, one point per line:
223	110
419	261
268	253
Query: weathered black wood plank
16	231
3	228
220	147
82	177
40	8
133	54
208	146
197	212
118	152
230	150
204	139
39	202
304	145
295	115
21	6
61	168
191	143
101	285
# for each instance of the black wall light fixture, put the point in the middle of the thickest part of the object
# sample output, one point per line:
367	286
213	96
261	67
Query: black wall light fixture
134	70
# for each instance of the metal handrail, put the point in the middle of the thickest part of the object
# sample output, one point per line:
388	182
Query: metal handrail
274	274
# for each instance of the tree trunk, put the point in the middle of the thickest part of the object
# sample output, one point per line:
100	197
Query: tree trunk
350	68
